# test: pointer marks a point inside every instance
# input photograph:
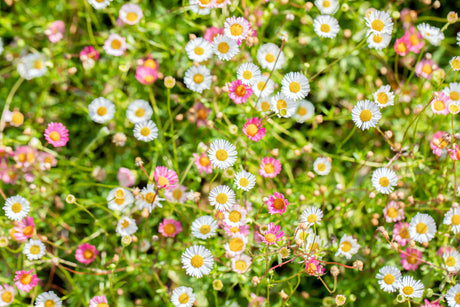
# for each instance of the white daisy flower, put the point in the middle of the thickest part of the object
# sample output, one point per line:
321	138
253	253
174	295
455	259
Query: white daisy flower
126	226
453	91
283	106
183	297
224	47
34	249
199	49
145	131
204	227
1	46
295	85
119	198
48	299
138	111
389	278
303	235
101	110
6	295
313	243
32	66
452	217
241	263
453	296
451	260
458	38
248	73
431	34
304	112
311	216
365	114
264	104
197	261
198	8
16	208
348	246
454	107
409	287
198	78
99	4
384	97
267	57
326	26
236	245
384	180
379	22
327	7
378	41
245	180
222	197
422	228
263	86
148	199
235	216
322	166
222	154
115	45
236	28
130	13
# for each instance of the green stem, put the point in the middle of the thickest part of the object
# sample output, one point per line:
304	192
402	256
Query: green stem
172	130
7	105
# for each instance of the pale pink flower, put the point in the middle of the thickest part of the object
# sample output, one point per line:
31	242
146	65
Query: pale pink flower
393	213
440	103
24	229
170	228
165	178
444	249
438	144
272	235
203	163
177	194
414	39
126	177
47	160
130	13
98	301
89	52
25	156
212	32
312	267
115	45
56	31
407	17
57	134
425	68
253	129
239	92
25	280
7	295
277	203
86	253
269	167
427	303
410	262
401	233
231	230
146	75
256	301
455	153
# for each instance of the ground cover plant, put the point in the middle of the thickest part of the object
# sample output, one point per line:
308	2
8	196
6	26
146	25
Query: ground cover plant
229	153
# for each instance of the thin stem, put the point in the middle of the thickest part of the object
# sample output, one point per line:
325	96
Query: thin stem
7	105
172	130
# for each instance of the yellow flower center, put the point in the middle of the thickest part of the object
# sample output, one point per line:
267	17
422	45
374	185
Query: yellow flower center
261	85
17	118
145	131
202	114
16	207
455	64
169	229
50	303
278	204
392	213
270	58
149	197
244	182
223	47
389	279
270	237
88	254
148	78
28	231
222	198
457	298
115	44
326	4
455	220
197	261
35	249
221	155
7	297
408	290
269	168
38	64
177	194
421	228
453	108
404	233
346	246
302	235
281	104
25	279
325	28
234	216
454	95
205	2
240	265
377	25
125	224
22	157
55	136
382	98
426	68
377	38
150	63
139	112
120	193
101	111
384	181
236	29
102	305
205	229
251	129
294	87
301	111
414	39
131	17
321	167
312	218
183	298
236	244
401	47
247	74
439	105
450	261
240	90
365	115
162	181
204	161
265	106
199	50
198	78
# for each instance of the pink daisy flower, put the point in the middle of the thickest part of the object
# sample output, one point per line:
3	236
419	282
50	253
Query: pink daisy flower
57	134
170	228
6	294
24	229
410	262
312	267
272	235
198	114
455	153
212	32
438	144
46	160
165	178
402	46
151	63
425	68
256	301
125	177
25	156
253	129
177	194
86	253
25	280
393	213
146	75
440	103
406	17
415	40
232	230
203	163
239	92
56	31
444	249
98	301
89	52
269	167
236	28
401	233
277	203
427	303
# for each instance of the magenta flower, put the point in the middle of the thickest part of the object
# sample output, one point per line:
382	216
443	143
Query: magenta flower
402	46
203	163
277	203
393	213
256	301
57	134
427	303
170	228
125	177
401	233
86	253
6	294
239	92
25	280
56	31
425	68
437	143
24	229
440	103
253	129
24	156
212	32
269	167
272	235
98	301
165	178
312	267
146	75
89	52
415	40
411	261
455	153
